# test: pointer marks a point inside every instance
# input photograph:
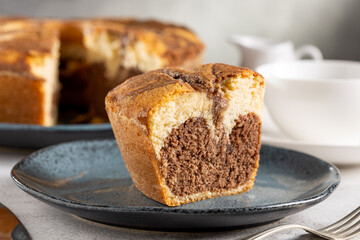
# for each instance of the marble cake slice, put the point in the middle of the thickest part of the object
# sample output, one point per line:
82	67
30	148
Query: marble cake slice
189	135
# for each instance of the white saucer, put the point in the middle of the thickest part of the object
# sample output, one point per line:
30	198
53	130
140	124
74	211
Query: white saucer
337	154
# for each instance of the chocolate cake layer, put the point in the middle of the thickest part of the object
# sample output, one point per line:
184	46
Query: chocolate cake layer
100	85
193	161
84	86
74	79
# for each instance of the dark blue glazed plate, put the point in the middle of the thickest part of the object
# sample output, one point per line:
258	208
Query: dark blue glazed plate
35	136
89	179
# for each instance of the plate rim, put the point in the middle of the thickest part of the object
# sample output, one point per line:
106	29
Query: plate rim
166	209
268	139
55	128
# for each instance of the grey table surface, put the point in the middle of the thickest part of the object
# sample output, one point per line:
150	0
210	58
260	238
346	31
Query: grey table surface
45	222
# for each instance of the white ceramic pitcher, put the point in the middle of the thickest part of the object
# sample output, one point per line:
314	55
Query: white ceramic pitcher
256	51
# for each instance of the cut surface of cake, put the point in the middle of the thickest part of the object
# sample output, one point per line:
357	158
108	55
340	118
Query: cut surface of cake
75	63
189	135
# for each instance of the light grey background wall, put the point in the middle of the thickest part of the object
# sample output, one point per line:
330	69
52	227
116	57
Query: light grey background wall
332	25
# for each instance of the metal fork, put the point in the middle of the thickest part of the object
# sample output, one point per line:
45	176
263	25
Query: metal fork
343	229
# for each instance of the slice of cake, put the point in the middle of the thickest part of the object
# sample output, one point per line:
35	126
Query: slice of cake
28	71
189	135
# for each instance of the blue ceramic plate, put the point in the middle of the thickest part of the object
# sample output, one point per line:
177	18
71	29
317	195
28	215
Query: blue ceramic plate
89	179
35	136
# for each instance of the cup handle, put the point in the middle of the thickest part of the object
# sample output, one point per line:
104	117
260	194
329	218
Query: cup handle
308	50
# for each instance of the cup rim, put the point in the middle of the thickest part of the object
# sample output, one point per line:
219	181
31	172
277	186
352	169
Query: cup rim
260	69
236	38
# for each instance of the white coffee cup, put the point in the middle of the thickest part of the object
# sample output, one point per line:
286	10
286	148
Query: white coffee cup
256	51
315	101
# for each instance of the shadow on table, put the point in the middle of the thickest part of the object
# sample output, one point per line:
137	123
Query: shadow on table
233	234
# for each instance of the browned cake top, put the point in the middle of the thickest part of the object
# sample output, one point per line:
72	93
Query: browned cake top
21	39
207	77
203	78
139	94
181	43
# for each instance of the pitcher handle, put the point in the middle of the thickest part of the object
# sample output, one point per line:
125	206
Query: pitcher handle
308	50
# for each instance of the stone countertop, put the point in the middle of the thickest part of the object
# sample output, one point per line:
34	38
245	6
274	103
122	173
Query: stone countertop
45	222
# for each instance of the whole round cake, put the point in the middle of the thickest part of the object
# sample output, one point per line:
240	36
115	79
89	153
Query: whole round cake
74	63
